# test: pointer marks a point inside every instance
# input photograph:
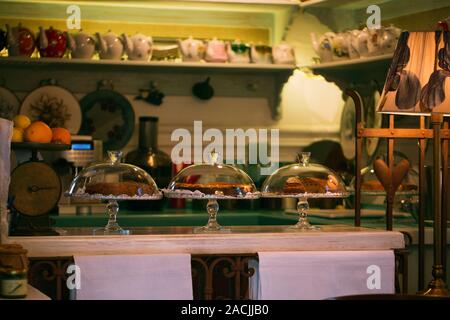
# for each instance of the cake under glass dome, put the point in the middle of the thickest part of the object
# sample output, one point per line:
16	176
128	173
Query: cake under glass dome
303	180
114	181
213	182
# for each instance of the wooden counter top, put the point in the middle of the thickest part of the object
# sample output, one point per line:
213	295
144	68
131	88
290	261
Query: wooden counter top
249	239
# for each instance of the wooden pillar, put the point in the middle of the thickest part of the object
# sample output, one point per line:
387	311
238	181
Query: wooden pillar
390	193
422	208
444	205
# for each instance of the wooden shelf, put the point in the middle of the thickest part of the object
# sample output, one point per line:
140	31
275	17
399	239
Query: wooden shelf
259	2
341	4
160	65
390	8
313	3
174	78
356	72
353	63
362	4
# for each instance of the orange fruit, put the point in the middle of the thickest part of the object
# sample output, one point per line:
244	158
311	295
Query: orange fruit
61	135
17	135
21	121
38	131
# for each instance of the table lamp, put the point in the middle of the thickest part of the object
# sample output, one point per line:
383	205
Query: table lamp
416	85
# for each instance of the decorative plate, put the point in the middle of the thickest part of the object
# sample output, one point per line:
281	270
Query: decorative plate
107	116
348	125
9	104
374	119
55	106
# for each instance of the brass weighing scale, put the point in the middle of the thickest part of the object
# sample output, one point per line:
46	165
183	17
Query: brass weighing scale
34	191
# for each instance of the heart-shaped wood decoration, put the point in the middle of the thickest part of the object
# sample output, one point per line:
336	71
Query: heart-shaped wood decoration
398	173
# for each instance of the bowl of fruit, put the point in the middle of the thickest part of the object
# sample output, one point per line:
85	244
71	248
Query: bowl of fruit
38	135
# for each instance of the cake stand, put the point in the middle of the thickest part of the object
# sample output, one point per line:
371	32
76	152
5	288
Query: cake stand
213	182
303	180
112	182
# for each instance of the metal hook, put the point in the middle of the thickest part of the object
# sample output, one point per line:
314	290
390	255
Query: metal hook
152	95
48	82
105	84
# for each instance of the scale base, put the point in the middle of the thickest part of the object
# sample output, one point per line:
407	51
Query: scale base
34	232
22	225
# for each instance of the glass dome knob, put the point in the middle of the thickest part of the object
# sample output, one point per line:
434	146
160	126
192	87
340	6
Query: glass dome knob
304	159
115	156
214	157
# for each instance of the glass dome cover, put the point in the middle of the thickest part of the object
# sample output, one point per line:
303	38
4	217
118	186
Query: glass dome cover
114	180
304	180
212	181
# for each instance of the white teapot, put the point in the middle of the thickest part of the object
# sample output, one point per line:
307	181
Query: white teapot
110	46
360	43
283	54
238	52
192	49
138	47
322	46
261	54
82	45
340	45
390	38
374	41
352	43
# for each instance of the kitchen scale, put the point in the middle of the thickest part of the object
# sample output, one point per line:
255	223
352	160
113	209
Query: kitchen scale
34	191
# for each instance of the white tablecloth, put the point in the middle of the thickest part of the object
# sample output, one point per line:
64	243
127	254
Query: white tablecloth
5	166
136	277
322	274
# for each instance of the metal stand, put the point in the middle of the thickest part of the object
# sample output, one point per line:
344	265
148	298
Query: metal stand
437	286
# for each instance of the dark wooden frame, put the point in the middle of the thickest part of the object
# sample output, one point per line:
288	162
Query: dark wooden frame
440	138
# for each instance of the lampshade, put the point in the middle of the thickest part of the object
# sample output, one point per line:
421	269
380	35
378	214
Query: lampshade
417	82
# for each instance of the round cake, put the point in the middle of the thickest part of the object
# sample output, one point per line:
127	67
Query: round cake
296	185
129	188
222	188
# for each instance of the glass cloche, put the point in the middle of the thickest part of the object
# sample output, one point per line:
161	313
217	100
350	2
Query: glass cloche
303	180
213	182
113	181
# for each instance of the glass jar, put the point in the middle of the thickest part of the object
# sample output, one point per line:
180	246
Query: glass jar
13	283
